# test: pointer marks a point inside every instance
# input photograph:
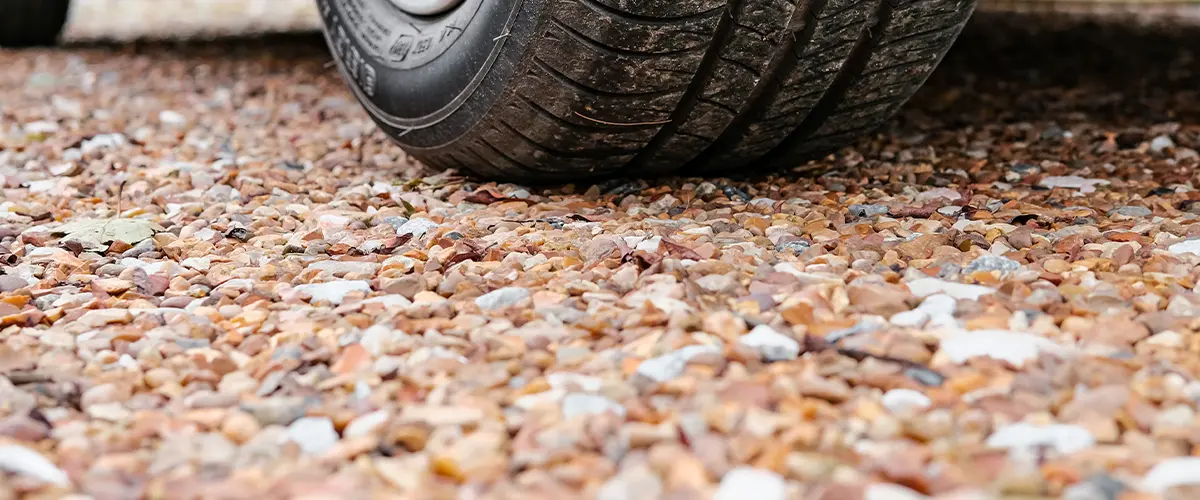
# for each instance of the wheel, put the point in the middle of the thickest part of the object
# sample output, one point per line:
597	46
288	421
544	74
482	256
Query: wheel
557	90
25	23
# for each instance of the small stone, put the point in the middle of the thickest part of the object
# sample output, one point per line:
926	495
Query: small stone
1097	487
750	482
1167	338
314	435
868	210
717	283
1013	347
502	298
339	268
112	286
416	227
925	287
991	262
23	461
1185	247
770	344
905	401
101	317
671	365
1172	473
796	247
103	142
1161	143
333	292
633	483
170	117
1073	182
9	283
240	426
1062	438
576	403
1132	211
365	424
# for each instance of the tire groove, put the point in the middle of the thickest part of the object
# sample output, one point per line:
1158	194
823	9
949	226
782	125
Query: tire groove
841	85
600	47
639	19
691	97
592	91
583	127
764	93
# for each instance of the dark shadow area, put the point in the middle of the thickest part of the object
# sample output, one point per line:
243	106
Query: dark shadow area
1018	67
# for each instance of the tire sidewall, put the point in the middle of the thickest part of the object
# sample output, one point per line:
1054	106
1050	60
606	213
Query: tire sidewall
445	90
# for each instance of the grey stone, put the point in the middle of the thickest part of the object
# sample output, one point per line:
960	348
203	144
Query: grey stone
992	263
862	210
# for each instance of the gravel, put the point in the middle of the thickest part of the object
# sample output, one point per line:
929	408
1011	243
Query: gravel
217	278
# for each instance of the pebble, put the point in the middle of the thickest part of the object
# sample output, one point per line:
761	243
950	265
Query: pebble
905	401
1170	473
1185	247
796	247
1132	211
10	283
868	210
23	461
770	344
575	404
341	267
1073	182
750	482
1095	487
1062	438
925	287
1161	143
1016	348
333	292
502	298
416	227
366	424
671	365
634	483
992	263
314	435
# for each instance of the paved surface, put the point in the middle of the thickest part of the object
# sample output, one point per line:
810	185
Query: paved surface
220	281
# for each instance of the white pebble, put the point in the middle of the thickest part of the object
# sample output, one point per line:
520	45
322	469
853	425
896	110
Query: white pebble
26	462
1186	246
925	287
1073	182
1014	347
416	227
576	403
314	435
901	401
366	423
1171	473
169	117
1061	438
750	482
502	298
671	365
770	344
333	292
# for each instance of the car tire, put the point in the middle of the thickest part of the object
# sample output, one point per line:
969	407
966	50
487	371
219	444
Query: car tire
562	90
26	23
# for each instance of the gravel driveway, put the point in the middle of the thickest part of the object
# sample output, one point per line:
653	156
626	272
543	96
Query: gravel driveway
220	281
